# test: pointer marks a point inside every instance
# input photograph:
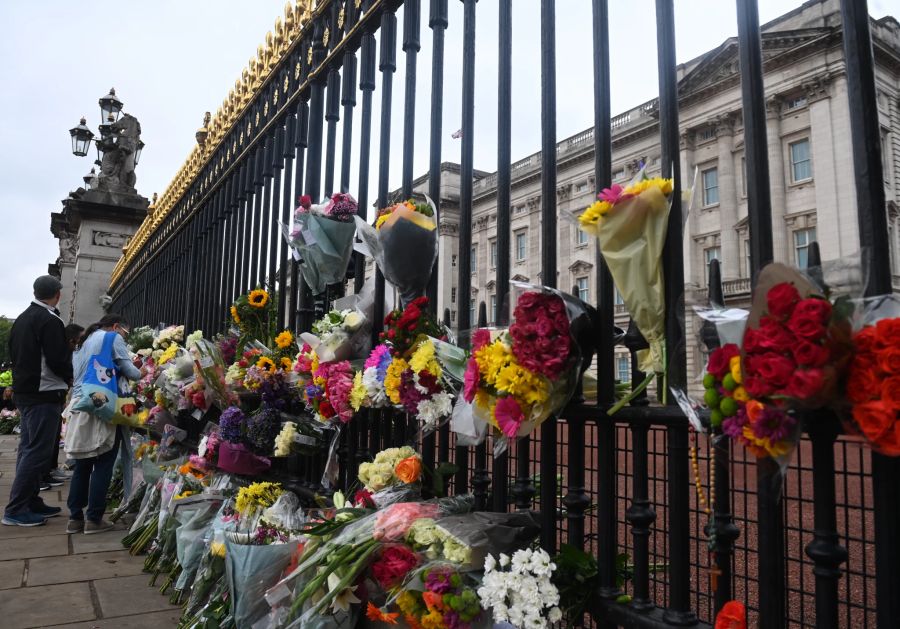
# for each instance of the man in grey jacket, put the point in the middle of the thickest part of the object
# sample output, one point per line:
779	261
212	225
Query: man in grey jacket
42	374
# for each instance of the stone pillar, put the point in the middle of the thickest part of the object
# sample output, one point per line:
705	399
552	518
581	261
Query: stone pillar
728	201
690	224
776	179
829	120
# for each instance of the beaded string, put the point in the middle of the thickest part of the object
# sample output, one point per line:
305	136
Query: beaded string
708	507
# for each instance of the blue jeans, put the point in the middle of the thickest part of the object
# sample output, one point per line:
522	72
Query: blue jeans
39	426
90	483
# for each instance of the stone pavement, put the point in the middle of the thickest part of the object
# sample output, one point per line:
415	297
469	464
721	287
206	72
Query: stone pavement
50	579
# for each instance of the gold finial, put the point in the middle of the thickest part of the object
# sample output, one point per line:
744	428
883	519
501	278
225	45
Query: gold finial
341	16
206	118
326	36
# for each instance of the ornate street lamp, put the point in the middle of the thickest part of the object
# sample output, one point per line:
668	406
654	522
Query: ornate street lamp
137	152
110	106
88	178
81	138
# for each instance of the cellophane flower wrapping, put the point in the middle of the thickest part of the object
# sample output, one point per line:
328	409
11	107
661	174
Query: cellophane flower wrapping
251	570
321	237
196	516
518	377
630	224
340	335
873	378
393	467
434	594
210	366
404	245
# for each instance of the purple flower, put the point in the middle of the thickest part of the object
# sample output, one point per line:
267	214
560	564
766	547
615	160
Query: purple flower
734	426
438	581
775	424
231	424
343	207
262	429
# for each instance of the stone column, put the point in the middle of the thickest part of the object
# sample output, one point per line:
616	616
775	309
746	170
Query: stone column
690	224
829	135
728	200
776	179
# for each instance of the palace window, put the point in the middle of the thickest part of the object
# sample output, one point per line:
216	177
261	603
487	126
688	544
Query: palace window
474	259
581	237
580	187
802	239
710	254
623	369
710	179
584	292
492	311
795	103
453	295
453	260
801	164
493	246
744	177
747	264
521	246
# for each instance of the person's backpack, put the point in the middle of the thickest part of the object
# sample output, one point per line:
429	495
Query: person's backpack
99	386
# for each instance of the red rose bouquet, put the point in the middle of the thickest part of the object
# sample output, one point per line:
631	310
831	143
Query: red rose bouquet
873	381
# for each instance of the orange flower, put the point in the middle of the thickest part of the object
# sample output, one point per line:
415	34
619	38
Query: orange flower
433	600
732	616
409	469
874	419
376	615
412	622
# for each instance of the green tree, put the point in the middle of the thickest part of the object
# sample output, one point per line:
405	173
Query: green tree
5	327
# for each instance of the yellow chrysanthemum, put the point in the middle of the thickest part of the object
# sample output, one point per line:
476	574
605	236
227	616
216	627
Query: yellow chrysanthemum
423	359
258	298
392	379
358	392
265	363
740	394
491	359
284	340
735	366
407	602
168	354
234	315
592	215
257	496
774	449
381	219
664	185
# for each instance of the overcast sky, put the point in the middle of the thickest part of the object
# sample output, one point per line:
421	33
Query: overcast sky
171	60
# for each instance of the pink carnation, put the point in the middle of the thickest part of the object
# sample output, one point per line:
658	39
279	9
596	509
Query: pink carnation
470	384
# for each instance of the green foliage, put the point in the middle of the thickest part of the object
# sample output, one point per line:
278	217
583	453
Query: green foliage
576	577
5	327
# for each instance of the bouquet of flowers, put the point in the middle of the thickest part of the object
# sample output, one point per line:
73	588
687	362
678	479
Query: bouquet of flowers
250	356
519	590
339	335
165	338
873	383
368	385
141	340
300	435
210	367
254	316
234	456
322	239
630	224
517	378
391	467
795	348
9	421
328	394
404	245
442	598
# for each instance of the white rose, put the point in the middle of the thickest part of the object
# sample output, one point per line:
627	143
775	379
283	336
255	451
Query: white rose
353	321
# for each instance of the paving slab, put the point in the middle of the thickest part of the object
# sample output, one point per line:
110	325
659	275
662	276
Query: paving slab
54	526
155	620
24	608
87	567
99	542
37	546
130	595
11	573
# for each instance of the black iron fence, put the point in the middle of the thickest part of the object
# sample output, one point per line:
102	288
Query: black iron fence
609	485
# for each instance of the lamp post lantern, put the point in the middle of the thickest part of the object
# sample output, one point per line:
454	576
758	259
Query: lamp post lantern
119	146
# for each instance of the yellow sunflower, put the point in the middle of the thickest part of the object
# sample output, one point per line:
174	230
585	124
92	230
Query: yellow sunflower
286	363
234	314
284	340
258	298
265	363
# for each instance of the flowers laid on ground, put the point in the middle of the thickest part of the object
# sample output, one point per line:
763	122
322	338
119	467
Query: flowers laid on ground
322	238
445	600
518	589
517	378
873	385
391	467
630	224
404	245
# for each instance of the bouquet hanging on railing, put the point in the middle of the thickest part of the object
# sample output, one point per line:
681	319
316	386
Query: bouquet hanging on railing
210	367
368	385
873	382
322	239
795	350
517	378
327	395
630	224
404	245
254	315
165	338
339	335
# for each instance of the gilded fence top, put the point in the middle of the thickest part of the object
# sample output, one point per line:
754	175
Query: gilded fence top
215	127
